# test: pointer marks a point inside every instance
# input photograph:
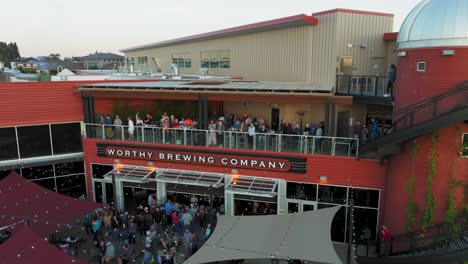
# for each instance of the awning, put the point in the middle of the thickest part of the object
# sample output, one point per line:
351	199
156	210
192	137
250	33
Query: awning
205	179
39	161
257	186
305	236
132	174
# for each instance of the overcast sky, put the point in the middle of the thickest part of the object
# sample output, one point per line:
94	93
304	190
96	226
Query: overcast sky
79	27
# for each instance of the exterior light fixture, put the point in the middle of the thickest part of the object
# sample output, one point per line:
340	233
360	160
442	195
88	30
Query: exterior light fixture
234	171
323	178
401	54
116	160
150	163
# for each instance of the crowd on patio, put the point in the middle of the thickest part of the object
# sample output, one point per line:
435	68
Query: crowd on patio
169	232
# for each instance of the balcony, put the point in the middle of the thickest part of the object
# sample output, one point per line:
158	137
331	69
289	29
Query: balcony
303	144
365	89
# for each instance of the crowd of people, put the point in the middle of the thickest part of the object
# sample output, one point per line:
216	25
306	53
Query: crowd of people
178	230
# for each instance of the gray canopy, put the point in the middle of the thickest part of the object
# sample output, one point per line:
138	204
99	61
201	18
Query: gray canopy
304	236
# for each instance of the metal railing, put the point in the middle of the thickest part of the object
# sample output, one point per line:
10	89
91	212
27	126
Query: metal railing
305	144
362	85
422	112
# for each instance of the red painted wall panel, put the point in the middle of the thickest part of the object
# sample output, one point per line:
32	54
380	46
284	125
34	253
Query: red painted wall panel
401	166
442	73
32	103
339	170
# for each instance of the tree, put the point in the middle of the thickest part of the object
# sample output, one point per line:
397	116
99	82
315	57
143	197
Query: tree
67	59
54	57
9	52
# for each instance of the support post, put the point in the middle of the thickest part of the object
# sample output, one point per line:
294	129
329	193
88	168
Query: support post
114	191
350	231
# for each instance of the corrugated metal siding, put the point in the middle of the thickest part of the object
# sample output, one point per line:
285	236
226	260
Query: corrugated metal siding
267	56
339	170
39	103
442	74
358	29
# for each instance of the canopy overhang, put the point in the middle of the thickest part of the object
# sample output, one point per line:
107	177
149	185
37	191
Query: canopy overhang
304	236
249	185
204	179
132	174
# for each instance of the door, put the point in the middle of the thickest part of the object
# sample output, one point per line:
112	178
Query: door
299	206
275	120
343	124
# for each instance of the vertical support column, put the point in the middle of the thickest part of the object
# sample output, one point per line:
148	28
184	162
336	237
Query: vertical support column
205	112
282	197
330	118
120	206
161	192
200	111
228	198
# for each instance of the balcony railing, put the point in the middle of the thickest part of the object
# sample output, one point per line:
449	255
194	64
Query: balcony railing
374	86
304	144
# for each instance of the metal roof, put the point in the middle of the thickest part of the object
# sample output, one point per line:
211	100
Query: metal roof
215	85
132	173
286	22
205	179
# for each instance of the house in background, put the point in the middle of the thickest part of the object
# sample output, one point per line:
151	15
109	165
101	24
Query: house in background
101	60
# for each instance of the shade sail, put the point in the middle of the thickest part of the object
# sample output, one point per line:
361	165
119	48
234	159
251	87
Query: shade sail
45	210
25	246
304	236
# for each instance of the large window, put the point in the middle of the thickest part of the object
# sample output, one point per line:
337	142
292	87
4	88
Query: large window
215	59
69	168
34	141
73	186
142	60
36	173
8	149
130	61
100	170
301	191
182	60
66	138
365	197
47	183
464	146
332	194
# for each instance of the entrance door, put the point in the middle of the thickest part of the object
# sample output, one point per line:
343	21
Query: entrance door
299	206
343	124
275	120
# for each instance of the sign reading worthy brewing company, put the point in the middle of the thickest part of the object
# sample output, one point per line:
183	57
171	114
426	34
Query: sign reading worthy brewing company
211	157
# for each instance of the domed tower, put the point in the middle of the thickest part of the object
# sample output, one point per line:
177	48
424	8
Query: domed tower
432	51
432	66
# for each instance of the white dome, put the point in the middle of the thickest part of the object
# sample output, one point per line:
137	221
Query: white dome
435	23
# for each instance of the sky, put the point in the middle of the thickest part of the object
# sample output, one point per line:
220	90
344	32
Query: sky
80	27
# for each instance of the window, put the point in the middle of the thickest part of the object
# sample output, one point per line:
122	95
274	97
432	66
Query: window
73	186
215	59
365	197
182	60
69	168
142	60
100	170
332	194
40	172
34	141
421	66
8	149
130	61
464	147
66	138
301	191
47	183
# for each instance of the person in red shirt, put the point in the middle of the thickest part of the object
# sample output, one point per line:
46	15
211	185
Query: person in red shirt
385	237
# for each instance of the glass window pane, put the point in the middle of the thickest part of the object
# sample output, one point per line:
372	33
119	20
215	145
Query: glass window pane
214	59
100	170
365	197
38	172
188	63
205	59
69	168
464	149
338	228
73	186
98	192
66	138
332	194
109	193
301	191
8	149
34	141
365	223
47	183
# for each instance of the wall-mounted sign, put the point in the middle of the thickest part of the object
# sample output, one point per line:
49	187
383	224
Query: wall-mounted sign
211	158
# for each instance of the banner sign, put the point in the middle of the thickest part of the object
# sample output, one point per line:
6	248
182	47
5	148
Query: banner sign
211	158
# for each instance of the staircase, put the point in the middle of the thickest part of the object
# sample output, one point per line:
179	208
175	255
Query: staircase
441	243
424	117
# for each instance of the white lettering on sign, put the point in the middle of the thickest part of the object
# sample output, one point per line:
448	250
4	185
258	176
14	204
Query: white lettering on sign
228	160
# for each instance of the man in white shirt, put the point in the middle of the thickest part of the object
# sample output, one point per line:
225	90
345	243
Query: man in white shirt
251	132
131	128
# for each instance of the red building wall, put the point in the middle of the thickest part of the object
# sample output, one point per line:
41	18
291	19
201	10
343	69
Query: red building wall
442	73
339	170
401	166
29	103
